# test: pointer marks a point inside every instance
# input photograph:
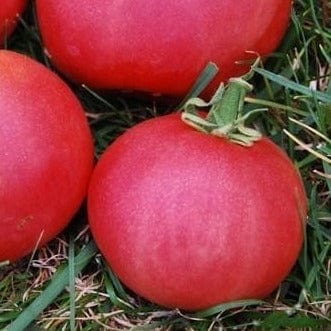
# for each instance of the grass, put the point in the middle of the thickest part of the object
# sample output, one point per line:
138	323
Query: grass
67	286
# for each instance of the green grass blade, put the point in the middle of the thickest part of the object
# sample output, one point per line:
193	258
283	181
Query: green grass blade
271	104
226	306
99	98
279	321
116	283
324	97
206	76
71	266
327	169
59	282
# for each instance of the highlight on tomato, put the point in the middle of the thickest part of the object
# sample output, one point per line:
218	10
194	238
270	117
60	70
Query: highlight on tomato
143	45
195	210
9	11
46	155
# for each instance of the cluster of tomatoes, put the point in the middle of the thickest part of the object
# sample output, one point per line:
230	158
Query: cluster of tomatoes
185	218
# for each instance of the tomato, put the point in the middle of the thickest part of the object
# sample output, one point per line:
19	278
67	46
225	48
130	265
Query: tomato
158	46
9	10
190	220
46	155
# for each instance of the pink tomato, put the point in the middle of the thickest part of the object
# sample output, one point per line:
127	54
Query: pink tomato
158	46
46	155
190	220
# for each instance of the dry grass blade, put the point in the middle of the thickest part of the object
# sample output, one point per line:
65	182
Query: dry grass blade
59	282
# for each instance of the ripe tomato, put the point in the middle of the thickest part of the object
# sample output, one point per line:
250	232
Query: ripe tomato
190	220
46	155
9	10
157	46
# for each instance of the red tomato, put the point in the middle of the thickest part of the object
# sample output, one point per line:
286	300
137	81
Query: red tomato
190	220
157	46
46	155
9	10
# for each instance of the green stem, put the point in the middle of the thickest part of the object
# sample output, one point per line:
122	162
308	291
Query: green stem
230	104
225	118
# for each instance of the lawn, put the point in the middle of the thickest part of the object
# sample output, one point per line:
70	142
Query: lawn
67	285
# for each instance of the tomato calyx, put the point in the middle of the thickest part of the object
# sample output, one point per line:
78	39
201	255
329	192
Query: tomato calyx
225	118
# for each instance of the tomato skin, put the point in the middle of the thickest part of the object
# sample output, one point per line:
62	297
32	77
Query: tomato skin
46	155
157	46
9	10
189	220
